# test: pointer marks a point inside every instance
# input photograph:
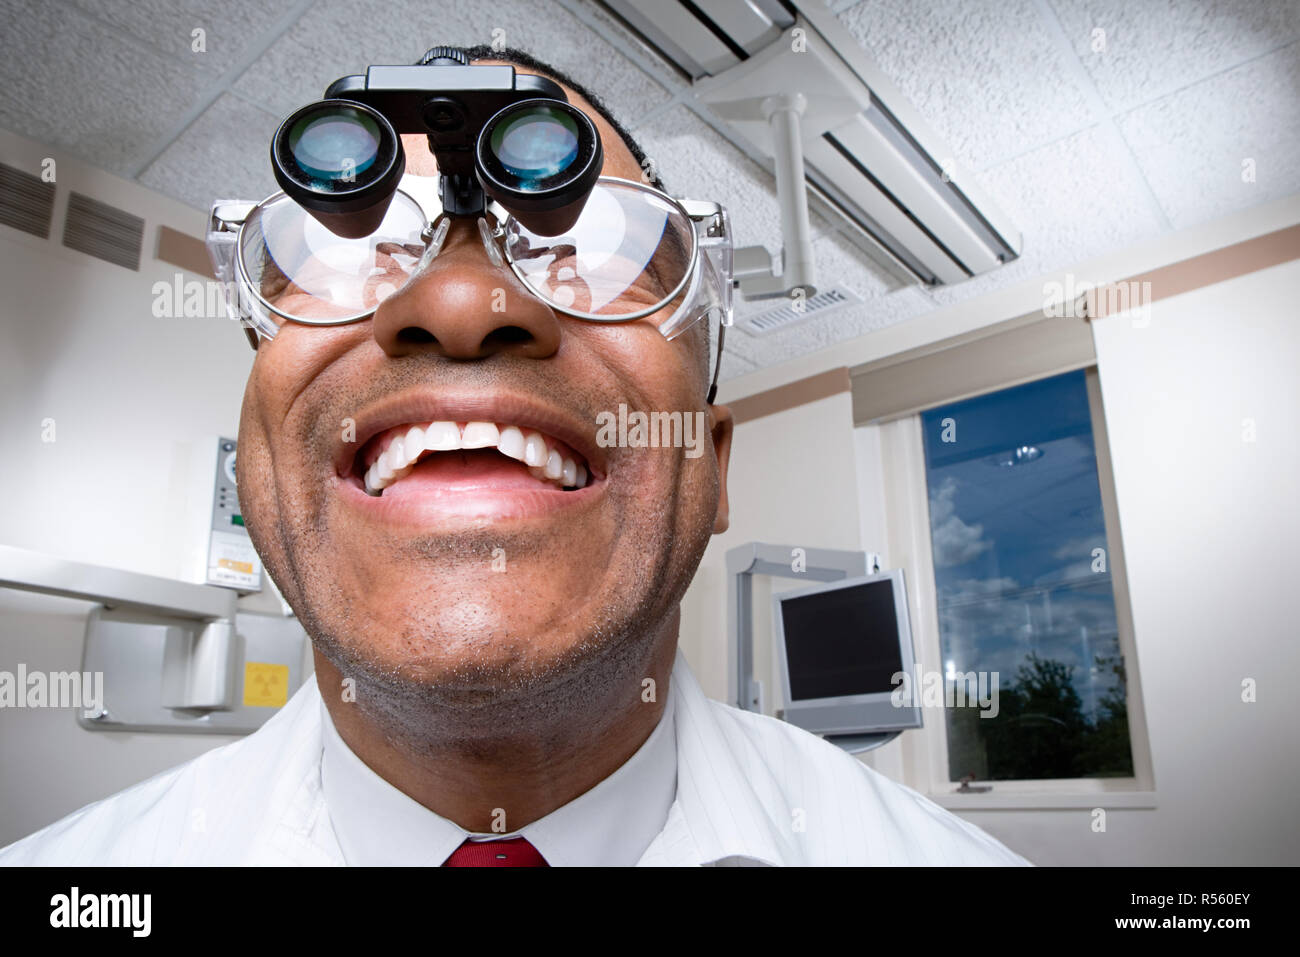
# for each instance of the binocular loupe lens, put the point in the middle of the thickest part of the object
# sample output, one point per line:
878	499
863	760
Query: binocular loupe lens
535	144
340	161
331	147
540	159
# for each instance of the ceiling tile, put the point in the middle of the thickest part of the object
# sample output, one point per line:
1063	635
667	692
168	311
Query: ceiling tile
333	41
232	28
223	155
1191	145
694	161
1073	200
986	77
65	82
839	261
1152	49
733	365
628	43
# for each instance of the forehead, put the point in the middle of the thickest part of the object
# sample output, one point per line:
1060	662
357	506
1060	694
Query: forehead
618	158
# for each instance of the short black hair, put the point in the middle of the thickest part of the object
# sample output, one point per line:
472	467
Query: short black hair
521	58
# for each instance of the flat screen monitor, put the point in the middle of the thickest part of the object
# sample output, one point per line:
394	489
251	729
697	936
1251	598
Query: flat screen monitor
840	649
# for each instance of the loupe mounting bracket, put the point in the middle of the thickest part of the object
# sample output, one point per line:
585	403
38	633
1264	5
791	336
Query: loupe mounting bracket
449	103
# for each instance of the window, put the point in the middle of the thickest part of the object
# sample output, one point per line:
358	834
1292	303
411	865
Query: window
1023	587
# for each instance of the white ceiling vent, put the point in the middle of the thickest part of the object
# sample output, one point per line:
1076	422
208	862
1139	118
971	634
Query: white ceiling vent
26	202
828	299
867	155
103	231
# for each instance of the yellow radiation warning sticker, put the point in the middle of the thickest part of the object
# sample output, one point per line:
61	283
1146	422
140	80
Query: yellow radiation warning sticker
265	685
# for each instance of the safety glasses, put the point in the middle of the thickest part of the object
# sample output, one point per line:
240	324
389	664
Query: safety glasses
635	253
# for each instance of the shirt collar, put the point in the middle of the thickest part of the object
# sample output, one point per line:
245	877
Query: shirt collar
718	816
612	824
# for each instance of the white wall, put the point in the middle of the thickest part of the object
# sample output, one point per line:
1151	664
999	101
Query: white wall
1211	523
130	395
792	482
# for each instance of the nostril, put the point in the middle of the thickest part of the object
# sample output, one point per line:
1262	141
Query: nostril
509	335
414	335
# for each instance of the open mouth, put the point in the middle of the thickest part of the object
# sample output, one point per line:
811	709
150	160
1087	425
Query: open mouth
446	455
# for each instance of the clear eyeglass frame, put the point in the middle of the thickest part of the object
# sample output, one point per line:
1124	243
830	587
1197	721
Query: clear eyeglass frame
707	282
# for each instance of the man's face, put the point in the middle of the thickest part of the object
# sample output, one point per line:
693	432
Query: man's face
470	578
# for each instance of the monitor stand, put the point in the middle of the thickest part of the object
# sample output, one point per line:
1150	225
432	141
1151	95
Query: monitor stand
857	743
759	558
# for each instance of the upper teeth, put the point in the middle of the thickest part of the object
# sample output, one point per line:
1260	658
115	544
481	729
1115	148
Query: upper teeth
544	459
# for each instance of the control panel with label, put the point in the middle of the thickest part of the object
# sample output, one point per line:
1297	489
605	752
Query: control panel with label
232	562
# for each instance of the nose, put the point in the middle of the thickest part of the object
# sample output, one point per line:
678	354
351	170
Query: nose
462	306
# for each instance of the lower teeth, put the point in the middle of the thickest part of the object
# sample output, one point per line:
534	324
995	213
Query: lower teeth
537	473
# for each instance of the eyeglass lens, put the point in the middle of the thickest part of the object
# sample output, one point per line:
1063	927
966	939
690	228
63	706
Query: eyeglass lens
629	253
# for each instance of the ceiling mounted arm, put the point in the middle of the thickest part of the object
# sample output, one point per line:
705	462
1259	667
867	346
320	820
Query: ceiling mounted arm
754	270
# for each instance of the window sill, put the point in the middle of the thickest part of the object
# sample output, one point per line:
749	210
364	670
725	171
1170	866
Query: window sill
1022	801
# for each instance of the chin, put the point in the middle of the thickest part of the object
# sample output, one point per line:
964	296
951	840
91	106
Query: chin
469	647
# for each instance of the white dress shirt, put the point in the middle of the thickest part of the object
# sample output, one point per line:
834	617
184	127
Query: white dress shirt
609	825
750	790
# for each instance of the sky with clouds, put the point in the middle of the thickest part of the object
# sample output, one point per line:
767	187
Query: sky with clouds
1016	566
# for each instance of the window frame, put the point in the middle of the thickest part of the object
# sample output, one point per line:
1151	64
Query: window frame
922	755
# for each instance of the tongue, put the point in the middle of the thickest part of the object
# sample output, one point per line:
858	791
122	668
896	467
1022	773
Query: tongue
465	470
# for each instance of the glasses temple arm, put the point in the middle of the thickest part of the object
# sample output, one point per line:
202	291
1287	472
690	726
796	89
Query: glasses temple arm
225	220
717	366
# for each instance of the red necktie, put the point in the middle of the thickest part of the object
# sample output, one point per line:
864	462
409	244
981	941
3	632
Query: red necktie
516	852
